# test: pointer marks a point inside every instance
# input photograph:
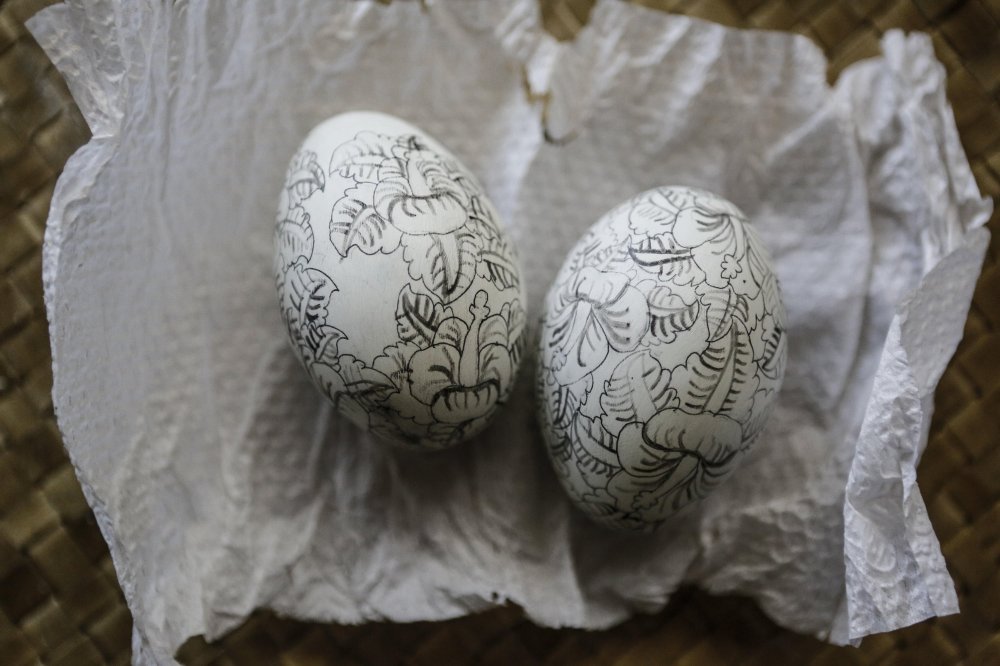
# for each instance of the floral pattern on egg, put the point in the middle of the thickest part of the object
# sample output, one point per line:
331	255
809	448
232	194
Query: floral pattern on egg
662	350
458	316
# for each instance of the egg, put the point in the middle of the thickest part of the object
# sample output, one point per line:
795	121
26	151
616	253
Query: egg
662	350
398	286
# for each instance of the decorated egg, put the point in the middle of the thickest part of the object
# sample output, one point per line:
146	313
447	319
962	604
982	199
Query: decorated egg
662	351
398	285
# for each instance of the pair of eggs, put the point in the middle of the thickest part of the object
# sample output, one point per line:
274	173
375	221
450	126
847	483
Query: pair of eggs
661	349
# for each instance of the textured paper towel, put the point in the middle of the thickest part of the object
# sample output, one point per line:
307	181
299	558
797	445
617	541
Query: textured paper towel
220	477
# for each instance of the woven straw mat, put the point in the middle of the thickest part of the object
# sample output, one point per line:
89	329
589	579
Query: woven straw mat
59	599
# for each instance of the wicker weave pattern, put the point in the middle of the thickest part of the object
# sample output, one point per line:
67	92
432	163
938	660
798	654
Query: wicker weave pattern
60	602
59	599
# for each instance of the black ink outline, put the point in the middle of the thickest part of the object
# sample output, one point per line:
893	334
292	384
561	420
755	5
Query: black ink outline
682	262
452	366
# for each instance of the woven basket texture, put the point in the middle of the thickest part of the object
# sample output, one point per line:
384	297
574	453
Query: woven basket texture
60	602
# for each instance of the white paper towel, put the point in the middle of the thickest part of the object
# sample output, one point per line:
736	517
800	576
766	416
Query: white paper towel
223	482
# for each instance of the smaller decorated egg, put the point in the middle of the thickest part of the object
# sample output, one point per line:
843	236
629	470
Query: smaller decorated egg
662	351
397	282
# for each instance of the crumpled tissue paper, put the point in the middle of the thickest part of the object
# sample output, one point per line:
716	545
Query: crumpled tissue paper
223	482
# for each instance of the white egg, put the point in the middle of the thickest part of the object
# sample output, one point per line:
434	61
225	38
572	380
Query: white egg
398	285
662	351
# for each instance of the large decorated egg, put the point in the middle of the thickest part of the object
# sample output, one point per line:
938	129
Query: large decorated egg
398	285
662	352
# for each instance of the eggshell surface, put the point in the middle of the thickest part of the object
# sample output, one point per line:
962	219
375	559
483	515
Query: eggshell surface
399	288
662	351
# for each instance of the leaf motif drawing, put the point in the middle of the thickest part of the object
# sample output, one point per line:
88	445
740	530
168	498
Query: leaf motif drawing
304	177
354	223
662	256
465	373
649	215
447	262
294	238
565	406
493	330
513	314
556	416
771	294
361	157
326	339
758	267
641	458
614	257
597	311
775	349
675	458
638	388
479	218
594	446
443	262
417	317
718	379
716	223
561	408
455	397
496	266
656	251
585	254
394	362
723	305
669	313
366	385
306	294
763	405
658	210
716	232
576	344
560	452
418	196
451	331
772	359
